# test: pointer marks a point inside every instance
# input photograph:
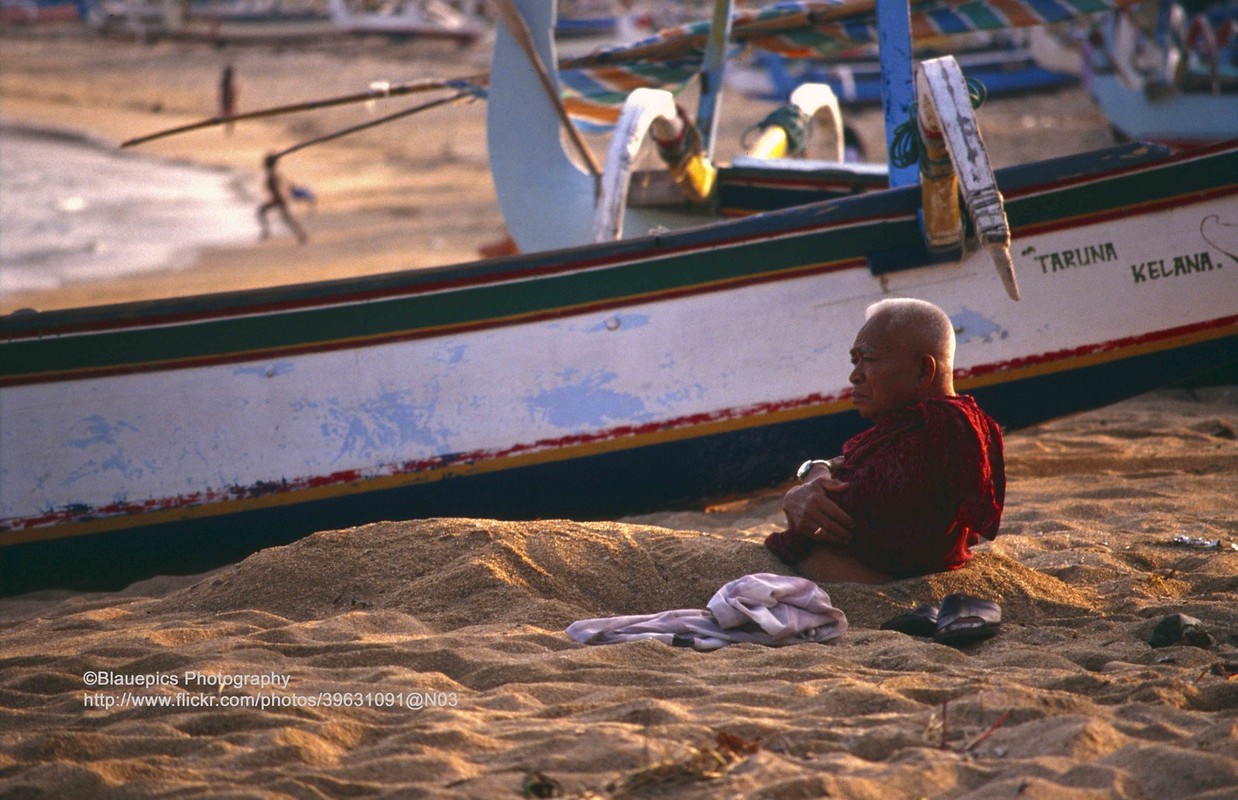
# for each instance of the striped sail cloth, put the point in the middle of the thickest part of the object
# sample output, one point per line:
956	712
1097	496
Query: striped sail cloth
595	86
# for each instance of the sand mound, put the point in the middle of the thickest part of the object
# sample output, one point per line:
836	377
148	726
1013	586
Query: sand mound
456	572
426	659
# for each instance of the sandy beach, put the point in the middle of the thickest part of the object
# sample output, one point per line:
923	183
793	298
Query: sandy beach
466	616
428	659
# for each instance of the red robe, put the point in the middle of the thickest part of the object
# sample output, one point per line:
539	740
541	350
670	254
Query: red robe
926	483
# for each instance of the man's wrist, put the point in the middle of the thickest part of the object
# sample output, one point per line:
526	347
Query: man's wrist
808	467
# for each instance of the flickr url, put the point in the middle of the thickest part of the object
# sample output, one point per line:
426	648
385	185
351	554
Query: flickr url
411	700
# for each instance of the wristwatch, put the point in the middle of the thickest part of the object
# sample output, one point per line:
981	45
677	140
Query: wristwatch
807	466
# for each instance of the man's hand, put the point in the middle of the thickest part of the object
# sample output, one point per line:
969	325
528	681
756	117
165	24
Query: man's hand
810	510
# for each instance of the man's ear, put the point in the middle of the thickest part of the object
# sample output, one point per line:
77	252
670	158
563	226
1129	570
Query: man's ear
928	370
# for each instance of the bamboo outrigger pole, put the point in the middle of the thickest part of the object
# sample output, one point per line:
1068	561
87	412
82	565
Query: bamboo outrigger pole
376	93
442	101
520	32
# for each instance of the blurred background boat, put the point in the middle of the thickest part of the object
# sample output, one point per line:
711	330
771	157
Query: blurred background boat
34	12
1167	72
1004	63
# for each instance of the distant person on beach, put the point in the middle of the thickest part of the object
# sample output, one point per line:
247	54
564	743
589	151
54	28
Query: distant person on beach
277	199
227	96
912	494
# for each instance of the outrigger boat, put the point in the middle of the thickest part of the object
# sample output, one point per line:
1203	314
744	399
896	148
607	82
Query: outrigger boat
1003	66
221	22
1162	75
41	12
436	19
596	375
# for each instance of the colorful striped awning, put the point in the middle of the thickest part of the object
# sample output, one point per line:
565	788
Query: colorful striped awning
595	86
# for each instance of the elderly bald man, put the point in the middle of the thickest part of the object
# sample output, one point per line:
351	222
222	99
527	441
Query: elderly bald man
912	494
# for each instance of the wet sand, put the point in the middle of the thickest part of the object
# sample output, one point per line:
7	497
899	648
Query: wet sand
75	210
465	618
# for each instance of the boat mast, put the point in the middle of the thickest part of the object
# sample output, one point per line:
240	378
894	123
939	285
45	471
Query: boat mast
712	75
897	88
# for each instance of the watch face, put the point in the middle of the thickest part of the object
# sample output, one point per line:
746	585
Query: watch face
804	468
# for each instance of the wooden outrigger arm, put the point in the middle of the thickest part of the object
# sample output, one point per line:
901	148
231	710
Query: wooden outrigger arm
644	108
377	91
955	160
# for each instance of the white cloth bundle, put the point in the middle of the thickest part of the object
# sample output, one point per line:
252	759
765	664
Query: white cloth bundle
764	608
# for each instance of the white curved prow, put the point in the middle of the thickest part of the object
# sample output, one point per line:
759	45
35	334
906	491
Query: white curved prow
1123	44
530	169
643	108
818	102
946	116
547	201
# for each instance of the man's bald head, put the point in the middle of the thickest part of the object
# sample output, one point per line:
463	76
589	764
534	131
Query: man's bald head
903	354
920	324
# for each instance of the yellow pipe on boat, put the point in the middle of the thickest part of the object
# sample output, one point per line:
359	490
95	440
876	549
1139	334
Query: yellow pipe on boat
696	177
771	144
680	146
785	131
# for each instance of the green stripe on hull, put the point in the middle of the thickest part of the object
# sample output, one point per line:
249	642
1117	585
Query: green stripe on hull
487	294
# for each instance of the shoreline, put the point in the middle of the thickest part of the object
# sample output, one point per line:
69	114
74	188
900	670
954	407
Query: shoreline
79	213
378	206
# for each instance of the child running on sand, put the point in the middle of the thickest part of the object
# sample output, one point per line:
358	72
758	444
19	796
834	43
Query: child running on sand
277	199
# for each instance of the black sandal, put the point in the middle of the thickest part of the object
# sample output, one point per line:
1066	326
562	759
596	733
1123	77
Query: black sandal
963	619
920	621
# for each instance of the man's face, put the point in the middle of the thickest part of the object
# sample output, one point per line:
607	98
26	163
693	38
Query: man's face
885	371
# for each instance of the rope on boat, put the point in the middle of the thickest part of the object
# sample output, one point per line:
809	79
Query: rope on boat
907	149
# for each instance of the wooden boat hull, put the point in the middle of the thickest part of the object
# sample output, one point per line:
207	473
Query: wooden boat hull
585	382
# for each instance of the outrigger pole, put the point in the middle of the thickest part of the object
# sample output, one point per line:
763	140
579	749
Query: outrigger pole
377	91
442	101
711	76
